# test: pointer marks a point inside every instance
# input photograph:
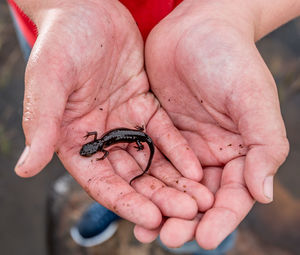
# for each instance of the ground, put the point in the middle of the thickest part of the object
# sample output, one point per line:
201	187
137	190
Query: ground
268	229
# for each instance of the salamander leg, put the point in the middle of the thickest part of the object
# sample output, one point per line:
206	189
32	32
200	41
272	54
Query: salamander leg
104	156
140	128
139	146
94	133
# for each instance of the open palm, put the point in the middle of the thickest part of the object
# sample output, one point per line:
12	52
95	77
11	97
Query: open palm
211	80
86	73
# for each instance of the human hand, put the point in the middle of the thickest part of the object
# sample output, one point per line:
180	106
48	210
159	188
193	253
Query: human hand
86	73
208	75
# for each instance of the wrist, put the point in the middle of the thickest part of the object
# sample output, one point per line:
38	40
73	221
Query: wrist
38	10
270	15
253	18
236	14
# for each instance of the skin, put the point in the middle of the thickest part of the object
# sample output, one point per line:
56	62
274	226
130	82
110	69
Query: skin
204	50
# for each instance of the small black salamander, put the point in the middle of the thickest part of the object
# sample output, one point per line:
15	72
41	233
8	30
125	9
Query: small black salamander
118	135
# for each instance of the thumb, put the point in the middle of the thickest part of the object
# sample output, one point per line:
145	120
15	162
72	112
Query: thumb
44	104
263	131
262	163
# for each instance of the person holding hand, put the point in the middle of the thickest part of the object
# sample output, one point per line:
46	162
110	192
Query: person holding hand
219	107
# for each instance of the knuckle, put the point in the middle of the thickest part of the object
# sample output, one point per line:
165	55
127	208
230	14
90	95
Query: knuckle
281	150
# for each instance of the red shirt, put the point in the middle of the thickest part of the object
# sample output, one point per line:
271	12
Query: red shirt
147	13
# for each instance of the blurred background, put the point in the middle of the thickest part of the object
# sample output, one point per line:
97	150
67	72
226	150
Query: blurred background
268	229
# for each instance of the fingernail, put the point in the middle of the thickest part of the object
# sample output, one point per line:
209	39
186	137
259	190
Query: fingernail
268	187
23	157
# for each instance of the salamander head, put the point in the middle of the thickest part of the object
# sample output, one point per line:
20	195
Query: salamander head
89	149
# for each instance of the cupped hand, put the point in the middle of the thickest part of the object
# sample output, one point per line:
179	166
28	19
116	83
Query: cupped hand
205	70
86	73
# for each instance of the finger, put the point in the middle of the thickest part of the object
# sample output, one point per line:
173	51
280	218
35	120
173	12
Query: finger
109	189
145	235
212	178
172	238
44	103
164	171
262	163
232	203
170	201
173	145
